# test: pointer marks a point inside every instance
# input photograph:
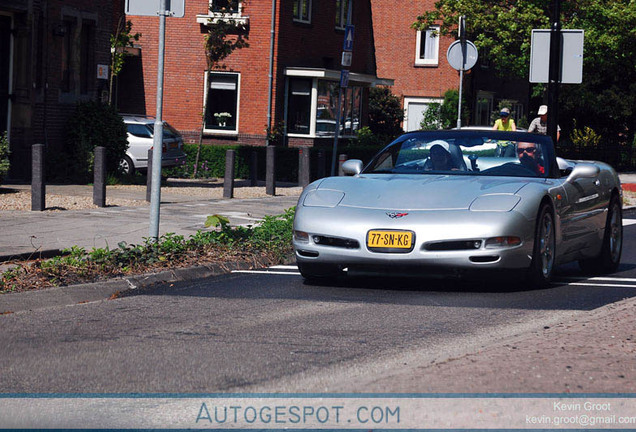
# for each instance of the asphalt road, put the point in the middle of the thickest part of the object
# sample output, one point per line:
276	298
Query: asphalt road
269	331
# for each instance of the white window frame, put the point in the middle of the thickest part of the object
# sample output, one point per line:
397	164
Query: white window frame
212	18
342	13
434	30
238	103
419	100
300	3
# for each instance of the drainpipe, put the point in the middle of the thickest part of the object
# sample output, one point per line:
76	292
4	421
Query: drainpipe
271	72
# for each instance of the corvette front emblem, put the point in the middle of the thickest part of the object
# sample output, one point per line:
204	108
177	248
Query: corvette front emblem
394	215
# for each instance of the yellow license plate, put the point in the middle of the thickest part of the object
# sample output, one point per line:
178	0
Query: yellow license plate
390	239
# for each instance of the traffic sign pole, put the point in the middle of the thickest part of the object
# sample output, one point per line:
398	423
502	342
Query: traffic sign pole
554	69
347	54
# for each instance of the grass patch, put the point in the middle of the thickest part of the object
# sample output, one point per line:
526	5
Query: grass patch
269	239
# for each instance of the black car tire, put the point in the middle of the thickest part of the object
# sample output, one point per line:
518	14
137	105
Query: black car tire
126	166
543	253
609	257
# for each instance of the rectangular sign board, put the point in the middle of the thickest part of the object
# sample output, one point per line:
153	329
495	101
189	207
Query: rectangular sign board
571	56
175	8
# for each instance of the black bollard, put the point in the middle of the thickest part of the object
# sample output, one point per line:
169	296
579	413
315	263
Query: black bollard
321	164
270	171
228	182
38	187
254	169
99	177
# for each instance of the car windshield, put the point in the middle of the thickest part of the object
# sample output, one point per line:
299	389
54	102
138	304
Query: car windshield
489	153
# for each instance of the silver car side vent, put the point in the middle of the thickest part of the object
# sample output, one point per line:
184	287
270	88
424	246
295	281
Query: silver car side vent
484	259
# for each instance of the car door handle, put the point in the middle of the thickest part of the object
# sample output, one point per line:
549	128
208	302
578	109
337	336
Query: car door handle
597	182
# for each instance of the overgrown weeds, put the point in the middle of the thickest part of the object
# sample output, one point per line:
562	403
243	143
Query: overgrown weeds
269	239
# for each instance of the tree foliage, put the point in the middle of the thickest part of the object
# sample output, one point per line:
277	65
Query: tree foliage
4	155
385	113
501	30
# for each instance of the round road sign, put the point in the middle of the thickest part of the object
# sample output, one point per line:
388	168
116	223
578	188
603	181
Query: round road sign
459	60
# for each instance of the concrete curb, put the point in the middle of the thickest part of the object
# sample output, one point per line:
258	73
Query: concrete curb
102	290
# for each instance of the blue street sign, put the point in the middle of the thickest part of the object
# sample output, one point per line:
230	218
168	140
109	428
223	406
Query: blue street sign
348	39
344	78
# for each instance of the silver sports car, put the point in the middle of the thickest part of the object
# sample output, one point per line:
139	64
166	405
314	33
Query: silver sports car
455	202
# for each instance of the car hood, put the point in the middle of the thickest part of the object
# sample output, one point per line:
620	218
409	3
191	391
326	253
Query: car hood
417	192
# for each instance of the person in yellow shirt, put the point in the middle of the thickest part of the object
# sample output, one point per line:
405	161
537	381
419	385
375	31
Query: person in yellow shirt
505	123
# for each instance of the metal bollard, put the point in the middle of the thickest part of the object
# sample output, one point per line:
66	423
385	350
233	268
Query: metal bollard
304	175
341	159
149	176
270	171
38	187
99	177
228	182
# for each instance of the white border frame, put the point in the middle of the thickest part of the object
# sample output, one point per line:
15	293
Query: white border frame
414	99
238	103
418	42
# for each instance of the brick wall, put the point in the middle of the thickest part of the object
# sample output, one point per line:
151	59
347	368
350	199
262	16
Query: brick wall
300	45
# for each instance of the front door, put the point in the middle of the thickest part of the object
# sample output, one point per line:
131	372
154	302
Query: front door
5	65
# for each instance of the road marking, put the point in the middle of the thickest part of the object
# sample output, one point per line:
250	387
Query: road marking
627	222
284	267
597	285
600	278
266	272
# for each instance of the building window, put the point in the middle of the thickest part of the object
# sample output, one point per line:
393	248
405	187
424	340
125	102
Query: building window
222	102
224	6
427	47
87	57
327	109
483	108
299	106
342	13
302	11
67	30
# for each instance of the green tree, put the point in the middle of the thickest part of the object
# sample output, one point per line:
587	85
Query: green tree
444	115
385	113
501	30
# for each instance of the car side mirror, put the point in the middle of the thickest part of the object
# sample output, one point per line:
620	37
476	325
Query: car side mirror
352	167
583	170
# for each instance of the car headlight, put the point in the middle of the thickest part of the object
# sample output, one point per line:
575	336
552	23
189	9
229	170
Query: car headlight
323	198
495	202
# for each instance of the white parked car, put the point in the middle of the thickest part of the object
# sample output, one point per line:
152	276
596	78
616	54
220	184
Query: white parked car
140	140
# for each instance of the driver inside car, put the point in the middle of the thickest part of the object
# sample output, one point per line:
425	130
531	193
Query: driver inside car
530	157
440	158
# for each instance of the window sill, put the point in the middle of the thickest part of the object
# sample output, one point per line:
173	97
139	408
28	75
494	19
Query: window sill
212	19
208	132
426	64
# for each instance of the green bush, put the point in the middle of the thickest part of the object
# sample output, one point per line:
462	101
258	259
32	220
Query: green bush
4	156
94	124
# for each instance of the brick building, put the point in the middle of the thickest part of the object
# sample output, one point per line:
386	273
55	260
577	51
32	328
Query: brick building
49	51
305	61
417	62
